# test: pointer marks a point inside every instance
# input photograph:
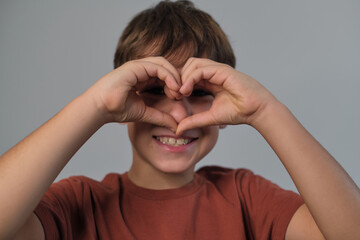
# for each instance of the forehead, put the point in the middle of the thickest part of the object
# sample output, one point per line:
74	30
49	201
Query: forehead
177	57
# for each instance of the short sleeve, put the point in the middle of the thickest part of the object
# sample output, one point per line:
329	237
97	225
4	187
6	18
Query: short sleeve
61	209
268	208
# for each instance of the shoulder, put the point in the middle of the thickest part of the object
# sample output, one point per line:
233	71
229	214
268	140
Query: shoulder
244	179
76	188
252	190
218	175
268	207
77	181
227	181
217	171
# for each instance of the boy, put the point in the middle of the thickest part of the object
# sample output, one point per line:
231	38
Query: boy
174	85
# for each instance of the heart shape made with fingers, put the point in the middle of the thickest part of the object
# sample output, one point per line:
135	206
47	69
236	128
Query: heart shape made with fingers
190	106
226	96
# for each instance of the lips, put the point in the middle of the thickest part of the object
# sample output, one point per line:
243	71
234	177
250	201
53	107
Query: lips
174	141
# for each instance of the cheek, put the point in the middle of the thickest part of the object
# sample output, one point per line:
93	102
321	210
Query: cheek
157	102
195	104
132	132
201	104
137	132
213	133
210	136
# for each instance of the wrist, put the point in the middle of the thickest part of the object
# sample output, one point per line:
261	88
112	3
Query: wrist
93	108
267	114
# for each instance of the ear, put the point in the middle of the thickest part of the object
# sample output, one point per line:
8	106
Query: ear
222	126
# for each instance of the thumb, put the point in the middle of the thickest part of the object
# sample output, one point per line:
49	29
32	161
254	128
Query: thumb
153	116
196	121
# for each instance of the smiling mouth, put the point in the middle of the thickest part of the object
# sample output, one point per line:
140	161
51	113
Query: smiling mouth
175	142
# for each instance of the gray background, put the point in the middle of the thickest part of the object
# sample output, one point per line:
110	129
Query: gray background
306	52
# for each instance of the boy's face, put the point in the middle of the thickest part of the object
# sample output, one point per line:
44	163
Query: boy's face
157	148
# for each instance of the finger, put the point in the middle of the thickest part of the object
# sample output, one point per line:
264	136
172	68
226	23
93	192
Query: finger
187	65
203	73
196	121
194	63
166	64
153	116
172	94
146	70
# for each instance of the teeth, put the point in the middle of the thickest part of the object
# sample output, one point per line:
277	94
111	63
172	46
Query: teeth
173	141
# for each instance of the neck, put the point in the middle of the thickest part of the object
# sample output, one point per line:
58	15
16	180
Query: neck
156	179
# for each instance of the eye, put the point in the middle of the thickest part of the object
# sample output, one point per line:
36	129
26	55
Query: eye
154	91
200	93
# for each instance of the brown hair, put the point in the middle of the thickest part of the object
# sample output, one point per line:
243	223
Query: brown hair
176	31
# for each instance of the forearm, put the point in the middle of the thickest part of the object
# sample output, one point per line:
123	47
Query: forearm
330	194
28	169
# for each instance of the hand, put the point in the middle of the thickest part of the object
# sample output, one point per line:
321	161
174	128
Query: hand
239	99
116	95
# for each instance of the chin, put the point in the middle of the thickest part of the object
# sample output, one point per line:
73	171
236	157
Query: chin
175	166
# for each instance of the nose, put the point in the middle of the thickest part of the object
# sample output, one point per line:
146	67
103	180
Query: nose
180	109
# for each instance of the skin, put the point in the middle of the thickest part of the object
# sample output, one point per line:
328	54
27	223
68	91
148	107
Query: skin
164	166
332	199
